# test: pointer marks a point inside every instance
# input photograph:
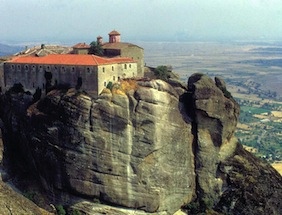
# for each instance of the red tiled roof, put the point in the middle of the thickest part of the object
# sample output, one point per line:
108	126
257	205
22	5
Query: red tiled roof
114	32
81	46
70	59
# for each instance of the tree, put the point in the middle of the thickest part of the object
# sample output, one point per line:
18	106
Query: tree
96	49
162	72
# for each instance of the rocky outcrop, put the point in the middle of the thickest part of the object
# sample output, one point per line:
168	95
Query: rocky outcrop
128	150
12	202
215	120
150	147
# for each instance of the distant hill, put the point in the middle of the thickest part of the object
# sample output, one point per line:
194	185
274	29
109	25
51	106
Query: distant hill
9	50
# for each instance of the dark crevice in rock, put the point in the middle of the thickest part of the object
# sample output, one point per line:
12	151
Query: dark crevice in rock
189	109
91	117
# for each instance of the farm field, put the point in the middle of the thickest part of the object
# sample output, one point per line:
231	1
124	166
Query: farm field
253	73
278	167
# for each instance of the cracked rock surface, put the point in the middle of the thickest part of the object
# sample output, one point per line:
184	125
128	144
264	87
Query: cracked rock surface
152	149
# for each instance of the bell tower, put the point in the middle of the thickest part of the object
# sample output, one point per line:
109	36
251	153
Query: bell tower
114	37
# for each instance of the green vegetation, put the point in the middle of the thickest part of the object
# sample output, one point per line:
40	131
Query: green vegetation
96	49
29	195
74	212
193	207
60	210
264	136
110	85
200	208
254	110
162	72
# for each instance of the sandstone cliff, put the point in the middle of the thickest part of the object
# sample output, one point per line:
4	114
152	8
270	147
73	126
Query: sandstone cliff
154	147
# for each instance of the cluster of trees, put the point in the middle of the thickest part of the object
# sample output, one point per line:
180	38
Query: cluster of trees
96	49
163	72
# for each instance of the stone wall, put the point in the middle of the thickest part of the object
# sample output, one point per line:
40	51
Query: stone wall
114	72
137	54
32	76
81	51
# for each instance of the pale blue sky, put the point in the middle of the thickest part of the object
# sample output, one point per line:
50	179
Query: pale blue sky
83	20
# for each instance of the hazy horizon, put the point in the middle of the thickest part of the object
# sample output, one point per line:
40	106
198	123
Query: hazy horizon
67	21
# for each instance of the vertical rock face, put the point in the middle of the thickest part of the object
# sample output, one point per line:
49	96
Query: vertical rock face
216	115
12	202
229	179
151	148
134	150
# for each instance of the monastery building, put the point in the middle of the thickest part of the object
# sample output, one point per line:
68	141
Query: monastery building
79	69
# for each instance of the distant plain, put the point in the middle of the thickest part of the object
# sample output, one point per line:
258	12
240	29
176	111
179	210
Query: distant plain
234	61
253	74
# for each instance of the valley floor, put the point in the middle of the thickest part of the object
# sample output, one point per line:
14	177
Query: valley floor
253	73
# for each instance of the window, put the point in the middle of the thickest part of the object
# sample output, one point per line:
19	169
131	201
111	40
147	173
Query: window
129	65
48	68
125	66
113	68
13	66
103	69
88	70
26	67
114	78
19	66
73	69
105	84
